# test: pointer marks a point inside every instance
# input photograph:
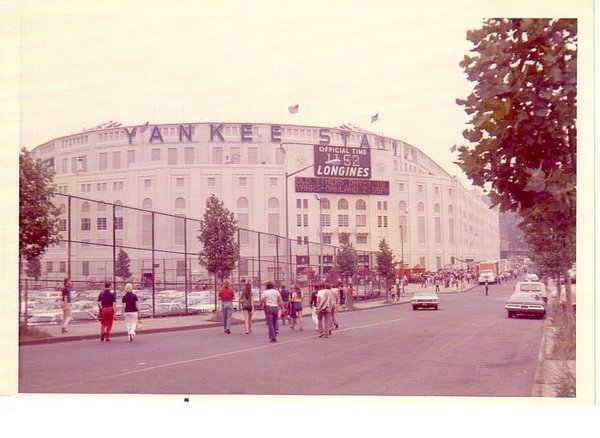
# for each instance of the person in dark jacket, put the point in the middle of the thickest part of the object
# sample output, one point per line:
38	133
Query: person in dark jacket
107	309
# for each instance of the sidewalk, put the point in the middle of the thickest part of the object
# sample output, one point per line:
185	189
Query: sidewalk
91	329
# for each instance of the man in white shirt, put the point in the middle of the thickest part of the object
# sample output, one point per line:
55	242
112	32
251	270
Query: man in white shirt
323	310
334	298
272	302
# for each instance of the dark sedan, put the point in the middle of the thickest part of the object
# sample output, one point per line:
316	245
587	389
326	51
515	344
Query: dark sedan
521	303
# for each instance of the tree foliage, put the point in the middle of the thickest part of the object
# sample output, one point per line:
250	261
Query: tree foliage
523	113
122	265
385	262
38	216
346	260
220	252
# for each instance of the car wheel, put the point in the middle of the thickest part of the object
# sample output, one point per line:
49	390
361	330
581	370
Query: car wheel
415	307
435	308
510	314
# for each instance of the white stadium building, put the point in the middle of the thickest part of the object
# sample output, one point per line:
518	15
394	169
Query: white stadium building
370	187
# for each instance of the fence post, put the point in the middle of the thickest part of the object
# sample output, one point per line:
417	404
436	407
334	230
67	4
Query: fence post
153	271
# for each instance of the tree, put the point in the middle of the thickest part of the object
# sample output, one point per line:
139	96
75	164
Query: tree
385	264
523	113
346	258
122	265
220	252
33	268
38	216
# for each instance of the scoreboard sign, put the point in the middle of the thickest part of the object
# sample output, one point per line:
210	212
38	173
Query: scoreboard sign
341	186
353	162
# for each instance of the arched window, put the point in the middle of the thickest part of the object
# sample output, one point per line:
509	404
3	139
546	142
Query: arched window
450	209
62	208
118	205
85	207
273	203
421	207
361	204
325	205
436	208
147	204
402	207
101	206
242	202
342	204
179	203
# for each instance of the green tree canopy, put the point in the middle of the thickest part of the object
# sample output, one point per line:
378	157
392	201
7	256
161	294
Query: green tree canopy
523	114
346	260
220	252
122	265
385	262
38	216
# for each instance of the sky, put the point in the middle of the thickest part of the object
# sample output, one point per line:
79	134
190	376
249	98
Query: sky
235	61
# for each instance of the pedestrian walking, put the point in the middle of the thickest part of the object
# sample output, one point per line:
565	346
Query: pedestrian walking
437	284
107	309
393	291
247	307
130	311
296	307
271	301
350	295
66	305
323	309
313	307
334	305
226	295
486	287
285	297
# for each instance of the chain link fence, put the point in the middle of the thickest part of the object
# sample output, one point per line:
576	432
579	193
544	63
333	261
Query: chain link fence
158	253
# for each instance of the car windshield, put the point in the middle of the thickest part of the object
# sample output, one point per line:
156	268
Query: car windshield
531	287
526	297
423	293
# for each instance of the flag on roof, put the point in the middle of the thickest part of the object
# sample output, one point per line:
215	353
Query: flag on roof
144	127
375	118
293	109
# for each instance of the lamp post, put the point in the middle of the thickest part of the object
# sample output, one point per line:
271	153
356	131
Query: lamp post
287	220
320	237
402	256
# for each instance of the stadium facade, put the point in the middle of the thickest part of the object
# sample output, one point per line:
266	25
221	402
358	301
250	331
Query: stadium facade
365	187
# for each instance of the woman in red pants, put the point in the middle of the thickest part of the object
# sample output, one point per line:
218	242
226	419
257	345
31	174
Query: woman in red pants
107	309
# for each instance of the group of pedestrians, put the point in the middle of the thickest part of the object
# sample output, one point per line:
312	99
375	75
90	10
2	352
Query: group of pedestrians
107	310
278	304
325	303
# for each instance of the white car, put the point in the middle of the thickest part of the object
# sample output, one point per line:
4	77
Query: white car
535	287
532	277
425	299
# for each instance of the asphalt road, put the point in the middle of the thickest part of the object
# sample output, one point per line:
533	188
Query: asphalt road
469	347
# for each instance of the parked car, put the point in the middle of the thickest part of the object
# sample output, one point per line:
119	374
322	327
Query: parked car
169	309
425	299
83	315
45	318
526	303
536	287
145	310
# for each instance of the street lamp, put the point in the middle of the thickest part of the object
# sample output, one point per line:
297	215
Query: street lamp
320	237
402	257
287	220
